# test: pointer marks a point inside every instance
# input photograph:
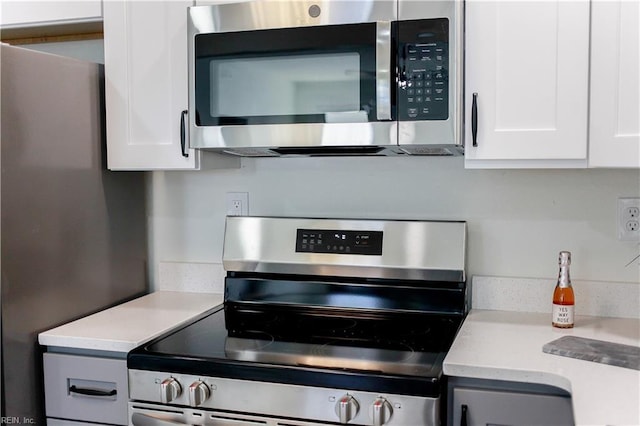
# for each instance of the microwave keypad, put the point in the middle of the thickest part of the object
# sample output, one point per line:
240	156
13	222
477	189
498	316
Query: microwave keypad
424	86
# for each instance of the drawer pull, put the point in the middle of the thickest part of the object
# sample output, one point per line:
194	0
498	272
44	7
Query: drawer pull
93	392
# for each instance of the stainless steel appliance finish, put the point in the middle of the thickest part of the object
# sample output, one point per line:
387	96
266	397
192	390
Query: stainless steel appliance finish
344	132
352	358
73	233
270	399
410	250
324	321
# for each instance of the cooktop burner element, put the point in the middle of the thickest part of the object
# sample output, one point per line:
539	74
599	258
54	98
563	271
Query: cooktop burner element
362	335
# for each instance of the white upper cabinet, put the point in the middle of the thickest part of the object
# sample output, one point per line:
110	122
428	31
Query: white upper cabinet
21	13
528	63
145	45
614	128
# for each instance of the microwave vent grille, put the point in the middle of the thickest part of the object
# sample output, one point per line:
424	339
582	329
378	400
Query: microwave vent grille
248	152
430	151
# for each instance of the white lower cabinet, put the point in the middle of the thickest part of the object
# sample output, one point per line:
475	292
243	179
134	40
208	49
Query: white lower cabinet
82	389
614	125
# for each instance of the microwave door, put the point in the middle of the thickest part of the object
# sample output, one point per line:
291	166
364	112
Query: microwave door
311	86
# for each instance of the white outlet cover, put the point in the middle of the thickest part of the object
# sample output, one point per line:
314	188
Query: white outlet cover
232	198
624	217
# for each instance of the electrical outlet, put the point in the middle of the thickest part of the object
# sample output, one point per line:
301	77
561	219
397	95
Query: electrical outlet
629	219
237	203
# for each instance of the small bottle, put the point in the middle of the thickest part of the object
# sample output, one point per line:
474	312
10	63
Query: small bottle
563	299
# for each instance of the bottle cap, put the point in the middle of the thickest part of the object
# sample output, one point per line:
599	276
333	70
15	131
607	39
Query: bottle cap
564	258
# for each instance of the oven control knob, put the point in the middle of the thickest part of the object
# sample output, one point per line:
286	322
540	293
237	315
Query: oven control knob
347	408
380	411
198	393
170	389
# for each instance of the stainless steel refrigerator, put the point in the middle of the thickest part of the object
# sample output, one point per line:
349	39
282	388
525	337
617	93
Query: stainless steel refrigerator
73	234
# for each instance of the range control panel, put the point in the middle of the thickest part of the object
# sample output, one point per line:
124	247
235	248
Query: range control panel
423	67
339	241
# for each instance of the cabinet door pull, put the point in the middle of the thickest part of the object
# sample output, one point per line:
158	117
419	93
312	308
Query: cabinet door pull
474	119
93	392
183	133
463	415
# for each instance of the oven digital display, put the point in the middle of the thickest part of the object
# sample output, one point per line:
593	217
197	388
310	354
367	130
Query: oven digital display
339	241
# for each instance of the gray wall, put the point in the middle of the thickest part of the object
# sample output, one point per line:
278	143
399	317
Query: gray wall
518	219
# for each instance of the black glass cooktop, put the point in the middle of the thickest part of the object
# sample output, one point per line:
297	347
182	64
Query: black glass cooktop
322	347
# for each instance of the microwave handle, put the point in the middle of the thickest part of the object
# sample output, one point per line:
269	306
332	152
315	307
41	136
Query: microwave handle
383	70
183	134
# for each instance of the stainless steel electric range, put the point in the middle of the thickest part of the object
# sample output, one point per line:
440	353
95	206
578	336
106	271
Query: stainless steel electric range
324	322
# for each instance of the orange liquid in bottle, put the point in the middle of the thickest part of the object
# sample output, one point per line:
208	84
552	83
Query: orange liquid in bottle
563	296
563	299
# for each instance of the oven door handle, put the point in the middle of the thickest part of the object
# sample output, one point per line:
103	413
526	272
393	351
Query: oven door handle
139	419
383	70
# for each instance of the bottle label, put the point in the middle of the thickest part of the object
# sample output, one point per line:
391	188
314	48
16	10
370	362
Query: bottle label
562	314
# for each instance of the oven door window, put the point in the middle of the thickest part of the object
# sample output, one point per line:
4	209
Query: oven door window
282	76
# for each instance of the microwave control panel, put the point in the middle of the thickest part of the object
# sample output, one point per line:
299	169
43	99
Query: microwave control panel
423	70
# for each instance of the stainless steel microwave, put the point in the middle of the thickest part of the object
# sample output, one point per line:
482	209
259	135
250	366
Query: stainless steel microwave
326	77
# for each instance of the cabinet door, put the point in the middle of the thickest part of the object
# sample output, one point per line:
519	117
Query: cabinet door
614	133
28	13
528	64
145	49
488	407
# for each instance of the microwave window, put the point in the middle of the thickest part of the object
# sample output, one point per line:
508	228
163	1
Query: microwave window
285	86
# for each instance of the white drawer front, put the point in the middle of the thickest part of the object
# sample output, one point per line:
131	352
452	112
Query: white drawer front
86	388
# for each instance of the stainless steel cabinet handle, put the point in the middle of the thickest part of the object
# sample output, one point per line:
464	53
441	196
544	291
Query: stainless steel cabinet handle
92	392
183	133
474	119
383	70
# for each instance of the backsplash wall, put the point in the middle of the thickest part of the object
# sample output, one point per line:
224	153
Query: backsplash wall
518	220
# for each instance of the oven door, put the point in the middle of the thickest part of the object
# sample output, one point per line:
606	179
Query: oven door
294	86
141	414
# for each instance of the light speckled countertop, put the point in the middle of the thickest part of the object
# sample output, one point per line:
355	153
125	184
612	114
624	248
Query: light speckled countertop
123	327
502	345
